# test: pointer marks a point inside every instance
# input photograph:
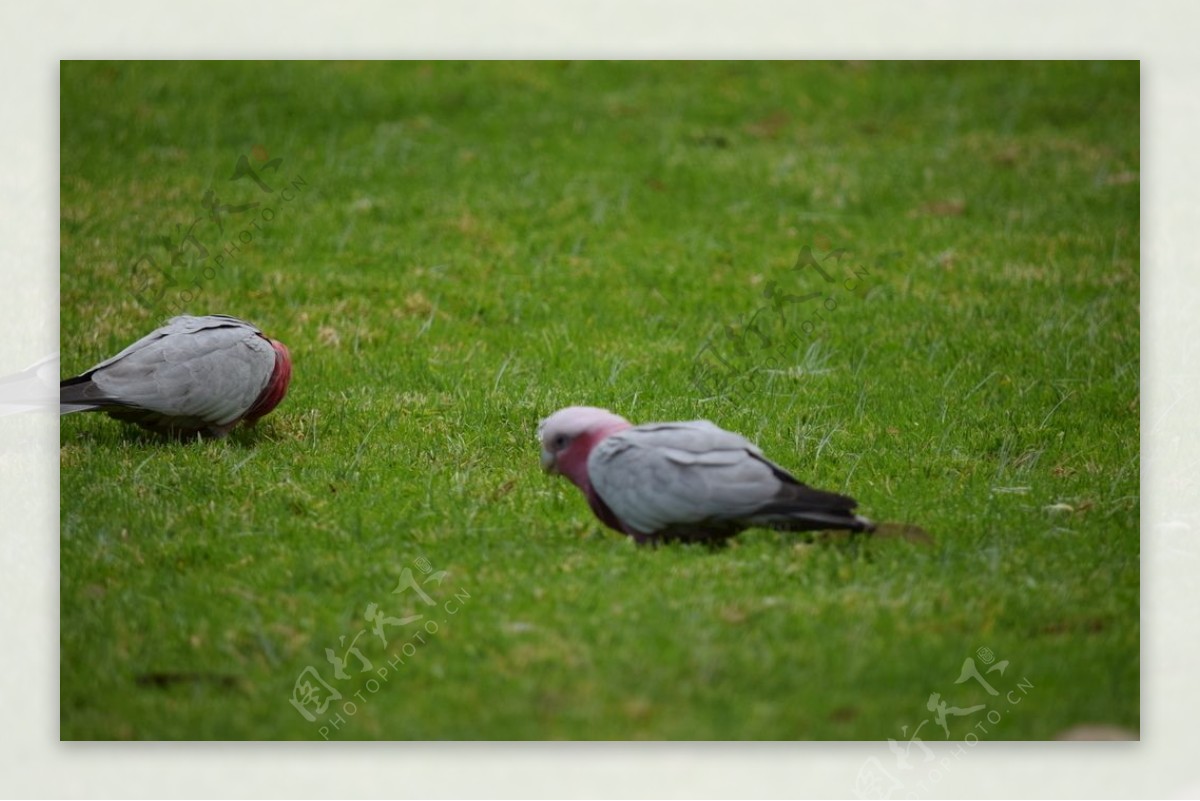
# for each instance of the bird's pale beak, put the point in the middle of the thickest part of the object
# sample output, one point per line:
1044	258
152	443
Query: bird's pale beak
548	462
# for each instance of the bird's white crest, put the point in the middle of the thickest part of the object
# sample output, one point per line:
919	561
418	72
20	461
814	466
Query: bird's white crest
575	420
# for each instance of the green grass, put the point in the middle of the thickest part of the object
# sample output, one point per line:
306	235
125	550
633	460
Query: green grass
468	247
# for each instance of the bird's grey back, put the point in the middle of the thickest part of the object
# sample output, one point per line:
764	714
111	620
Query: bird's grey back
206	370
183	324
664	474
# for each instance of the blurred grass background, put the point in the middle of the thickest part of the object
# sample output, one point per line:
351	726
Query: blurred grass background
454	250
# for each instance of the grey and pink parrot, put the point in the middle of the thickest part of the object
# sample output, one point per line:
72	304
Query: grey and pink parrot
195	375
691	481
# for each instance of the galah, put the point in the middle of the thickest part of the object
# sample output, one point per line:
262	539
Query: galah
691	481
195	375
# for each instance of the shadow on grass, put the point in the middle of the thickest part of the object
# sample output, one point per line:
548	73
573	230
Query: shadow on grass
118	433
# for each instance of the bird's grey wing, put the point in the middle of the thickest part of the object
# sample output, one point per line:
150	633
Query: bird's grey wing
667	475
183	324
212	373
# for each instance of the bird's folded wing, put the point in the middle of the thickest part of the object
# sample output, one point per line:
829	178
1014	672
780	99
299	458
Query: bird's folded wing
184	324
211	374
662	475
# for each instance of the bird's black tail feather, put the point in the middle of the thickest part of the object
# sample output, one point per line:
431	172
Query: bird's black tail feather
80	394
799	507
812	520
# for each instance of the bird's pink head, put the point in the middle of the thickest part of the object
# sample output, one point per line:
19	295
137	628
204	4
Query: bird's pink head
277	385
568	436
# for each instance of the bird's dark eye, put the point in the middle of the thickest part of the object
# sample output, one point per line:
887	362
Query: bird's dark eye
560	442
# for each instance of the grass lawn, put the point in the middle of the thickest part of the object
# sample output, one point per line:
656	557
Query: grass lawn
915	283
